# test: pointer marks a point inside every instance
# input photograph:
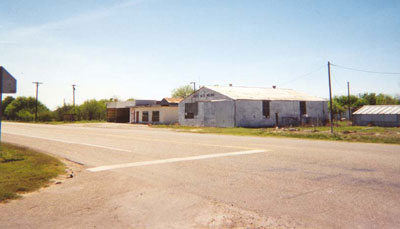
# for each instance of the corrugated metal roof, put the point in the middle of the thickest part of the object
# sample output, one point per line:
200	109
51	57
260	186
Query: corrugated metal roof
256	93
379	109
124	104
173	100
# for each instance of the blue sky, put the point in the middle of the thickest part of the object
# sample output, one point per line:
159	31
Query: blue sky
146	48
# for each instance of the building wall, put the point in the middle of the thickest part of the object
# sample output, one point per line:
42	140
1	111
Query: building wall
388	120
221	111
214	109
168	115
120	115
249	113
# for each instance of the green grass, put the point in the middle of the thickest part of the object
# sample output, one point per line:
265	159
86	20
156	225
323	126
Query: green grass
23	170
343	131
62	122
73	122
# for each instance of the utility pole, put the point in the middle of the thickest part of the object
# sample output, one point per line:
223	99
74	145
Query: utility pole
194	86
330	96
37	94
348	98
73	94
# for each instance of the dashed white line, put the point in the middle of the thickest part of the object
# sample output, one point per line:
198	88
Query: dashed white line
171	160
70	142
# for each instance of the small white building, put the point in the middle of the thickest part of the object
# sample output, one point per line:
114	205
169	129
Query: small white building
227	106
119	111
163	112
377	115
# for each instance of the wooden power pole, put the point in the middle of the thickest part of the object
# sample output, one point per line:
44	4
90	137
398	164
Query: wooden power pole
37	96
348	98
330	96
73	94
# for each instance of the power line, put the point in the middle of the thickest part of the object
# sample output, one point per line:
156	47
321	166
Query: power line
302	76
335	80
359	70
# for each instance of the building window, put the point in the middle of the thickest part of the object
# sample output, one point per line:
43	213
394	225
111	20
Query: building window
303	109
145	116
190	110
155	116
265	105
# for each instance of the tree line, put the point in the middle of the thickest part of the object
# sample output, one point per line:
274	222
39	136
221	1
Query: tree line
341	103
23	109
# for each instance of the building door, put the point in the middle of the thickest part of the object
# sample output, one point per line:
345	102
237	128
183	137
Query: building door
137	117
224	113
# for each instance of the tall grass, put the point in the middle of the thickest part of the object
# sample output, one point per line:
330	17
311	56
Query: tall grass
24	170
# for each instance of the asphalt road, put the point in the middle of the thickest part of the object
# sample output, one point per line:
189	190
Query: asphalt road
135	176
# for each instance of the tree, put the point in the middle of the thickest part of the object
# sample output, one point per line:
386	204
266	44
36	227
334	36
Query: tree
369	98
93	110
337	109
23	109
6	102
383	99
343	100
61	111
182	92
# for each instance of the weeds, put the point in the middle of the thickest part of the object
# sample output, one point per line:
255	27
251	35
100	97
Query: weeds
24	170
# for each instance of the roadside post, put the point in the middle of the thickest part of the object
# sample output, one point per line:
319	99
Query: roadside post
8	84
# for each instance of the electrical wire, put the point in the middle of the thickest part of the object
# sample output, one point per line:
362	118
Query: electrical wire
359	70
301	76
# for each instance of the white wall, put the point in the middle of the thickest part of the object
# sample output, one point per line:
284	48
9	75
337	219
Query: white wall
168	115
221	111
207	115
249	113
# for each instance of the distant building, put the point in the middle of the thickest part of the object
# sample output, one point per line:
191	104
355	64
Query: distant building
163	112
119	111
224	106
377	115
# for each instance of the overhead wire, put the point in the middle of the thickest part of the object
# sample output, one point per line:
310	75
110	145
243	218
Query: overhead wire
301	76
366	71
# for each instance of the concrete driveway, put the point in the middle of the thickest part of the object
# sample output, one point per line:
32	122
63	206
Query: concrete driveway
134	177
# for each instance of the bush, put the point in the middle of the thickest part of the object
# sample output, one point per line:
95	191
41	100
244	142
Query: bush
24	115
59	113
45	116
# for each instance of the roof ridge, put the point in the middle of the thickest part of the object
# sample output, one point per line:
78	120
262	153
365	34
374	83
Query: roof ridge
247	87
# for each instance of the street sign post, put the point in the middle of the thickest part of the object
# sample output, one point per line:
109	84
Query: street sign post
8	84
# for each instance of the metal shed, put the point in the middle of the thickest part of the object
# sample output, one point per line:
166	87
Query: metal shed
377	115
228	106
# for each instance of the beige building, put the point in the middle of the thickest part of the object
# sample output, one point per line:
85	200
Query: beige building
164	112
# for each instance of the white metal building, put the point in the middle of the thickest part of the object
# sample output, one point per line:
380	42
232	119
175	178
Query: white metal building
378	115
227	106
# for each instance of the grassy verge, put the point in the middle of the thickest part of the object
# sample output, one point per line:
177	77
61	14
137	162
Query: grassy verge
23	170
74	122
343	132
62	122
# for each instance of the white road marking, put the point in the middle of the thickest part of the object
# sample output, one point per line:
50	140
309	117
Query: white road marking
171	160
69	142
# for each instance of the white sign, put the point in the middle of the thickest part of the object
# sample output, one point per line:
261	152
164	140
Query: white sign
9	82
